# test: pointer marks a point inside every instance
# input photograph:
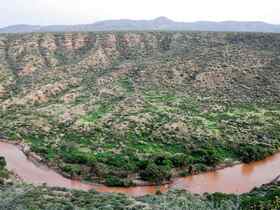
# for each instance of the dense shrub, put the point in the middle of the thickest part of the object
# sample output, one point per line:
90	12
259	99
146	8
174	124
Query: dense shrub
2	162
180	160
249	152
75	157
3	171
72	169
156	173
269	199
206	155
117	182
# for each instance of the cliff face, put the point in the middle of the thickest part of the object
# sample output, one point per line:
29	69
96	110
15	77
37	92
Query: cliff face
97	90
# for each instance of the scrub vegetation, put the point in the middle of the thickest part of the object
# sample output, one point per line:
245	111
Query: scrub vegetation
26	197
117	107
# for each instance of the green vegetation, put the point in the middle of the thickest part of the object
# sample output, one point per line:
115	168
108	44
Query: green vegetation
26	197
197	142
112	107
99	113
3	171
264	198
127	84
156	172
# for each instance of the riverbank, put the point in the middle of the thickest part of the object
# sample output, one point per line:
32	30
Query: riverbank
237	179
36	159
26	197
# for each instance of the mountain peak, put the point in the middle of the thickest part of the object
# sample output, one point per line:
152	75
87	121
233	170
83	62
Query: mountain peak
163	19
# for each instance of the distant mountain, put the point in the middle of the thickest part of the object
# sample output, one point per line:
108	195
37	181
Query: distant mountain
158	24
20	29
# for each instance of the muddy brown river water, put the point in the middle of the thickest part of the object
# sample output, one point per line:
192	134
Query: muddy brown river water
236	179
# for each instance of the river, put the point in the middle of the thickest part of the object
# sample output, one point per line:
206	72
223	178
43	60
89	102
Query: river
236	179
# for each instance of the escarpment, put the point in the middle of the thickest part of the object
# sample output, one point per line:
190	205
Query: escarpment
219	62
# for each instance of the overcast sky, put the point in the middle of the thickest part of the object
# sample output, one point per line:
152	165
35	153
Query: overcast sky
47	12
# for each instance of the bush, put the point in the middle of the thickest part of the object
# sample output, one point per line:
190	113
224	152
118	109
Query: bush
120	161
72	155
155	173
207	156
3	172
179	160
117	182
72	170
142	164
2	162
218	197
249	153
268	200
162	160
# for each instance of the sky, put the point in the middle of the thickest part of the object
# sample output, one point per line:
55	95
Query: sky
54	12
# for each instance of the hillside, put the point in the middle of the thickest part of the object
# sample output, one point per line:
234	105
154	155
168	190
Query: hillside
118	107
158	24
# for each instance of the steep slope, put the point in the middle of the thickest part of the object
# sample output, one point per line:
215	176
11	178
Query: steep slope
115	106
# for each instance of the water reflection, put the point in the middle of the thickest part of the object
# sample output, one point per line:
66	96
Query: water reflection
247	170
